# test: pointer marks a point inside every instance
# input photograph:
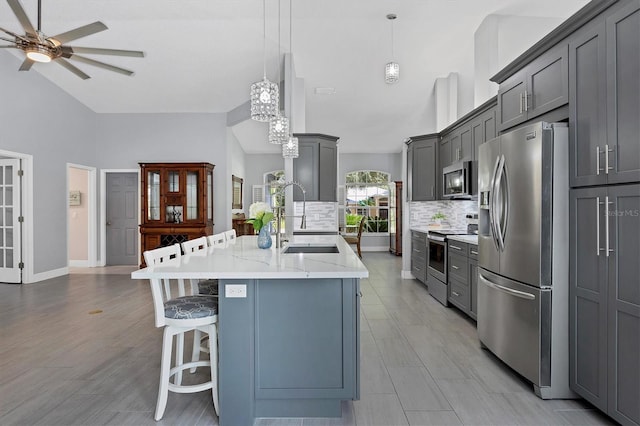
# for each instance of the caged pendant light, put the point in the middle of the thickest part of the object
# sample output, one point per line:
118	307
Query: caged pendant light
392	69
264	94
290	146
278	125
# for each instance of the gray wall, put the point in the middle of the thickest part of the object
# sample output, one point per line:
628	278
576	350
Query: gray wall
256	165
38	118
124	140
390	163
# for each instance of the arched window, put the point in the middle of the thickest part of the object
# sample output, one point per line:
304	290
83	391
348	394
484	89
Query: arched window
367	195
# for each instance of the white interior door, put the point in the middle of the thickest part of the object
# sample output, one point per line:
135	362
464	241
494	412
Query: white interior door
10	225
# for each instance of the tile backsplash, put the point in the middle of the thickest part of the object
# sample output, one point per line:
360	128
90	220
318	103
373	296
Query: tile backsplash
454	210
321	216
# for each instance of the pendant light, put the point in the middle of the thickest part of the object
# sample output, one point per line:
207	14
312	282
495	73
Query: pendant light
264	94
392	69
290	147
279	125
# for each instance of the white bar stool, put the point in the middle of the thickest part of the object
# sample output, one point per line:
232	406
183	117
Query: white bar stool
178	316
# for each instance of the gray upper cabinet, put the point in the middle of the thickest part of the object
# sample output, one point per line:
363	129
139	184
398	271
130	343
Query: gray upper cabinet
316	167
605	299
604	110
422	160
536	89
623	94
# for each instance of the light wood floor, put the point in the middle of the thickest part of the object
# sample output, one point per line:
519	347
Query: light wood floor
83	350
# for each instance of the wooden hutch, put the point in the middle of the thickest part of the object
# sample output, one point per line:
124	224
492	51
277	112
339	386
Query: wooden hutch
177	203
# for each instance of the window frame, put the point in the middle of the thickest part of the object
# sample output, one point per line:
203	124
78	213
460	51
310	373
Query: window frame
365	210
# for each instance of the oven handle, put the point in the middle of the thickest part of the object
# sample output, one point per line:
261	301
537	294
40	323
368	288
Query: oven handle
510	291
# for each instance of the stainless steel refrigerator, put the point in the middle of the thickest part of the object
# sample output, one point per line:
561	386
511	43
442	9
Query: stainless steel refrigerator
523	239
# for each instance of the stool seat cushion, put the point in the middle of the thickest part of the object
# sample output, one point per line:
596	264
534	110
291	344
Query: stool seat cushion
190	307
208	287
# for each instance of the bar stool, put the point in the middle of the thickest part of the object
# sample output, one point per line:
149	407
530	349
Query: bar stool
178	316
198	247
230	235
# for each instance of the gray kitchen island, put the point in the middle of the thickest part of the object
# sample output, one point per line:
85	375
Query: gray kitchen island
288	333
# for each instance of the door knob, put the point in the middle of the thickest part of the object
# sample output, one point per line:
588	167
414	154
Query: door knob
108	223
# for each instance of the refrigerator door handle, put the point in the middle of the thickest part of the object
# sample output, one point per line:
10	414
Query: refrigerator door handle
510	291
498	218
492	197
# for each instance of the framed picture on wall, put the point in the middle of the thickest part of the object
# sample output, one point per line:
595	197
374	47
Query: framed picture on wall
74	198
236	190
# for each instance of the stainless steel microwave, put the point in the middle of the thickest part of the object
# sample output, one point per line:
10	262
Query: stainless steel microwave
457	180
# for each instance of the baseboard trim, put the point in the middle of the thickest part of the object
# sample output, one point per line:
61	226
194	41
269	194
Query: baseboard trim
41	276
78	263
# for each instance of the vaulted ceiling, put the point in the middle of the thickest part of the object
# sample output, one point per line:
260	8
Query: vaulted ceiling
202	56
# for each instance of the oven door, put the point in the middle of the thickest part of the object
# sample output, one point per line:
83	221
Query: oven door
437	263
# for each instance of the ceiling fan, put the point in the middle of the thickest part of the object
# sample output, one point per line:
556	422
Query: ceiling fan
40	48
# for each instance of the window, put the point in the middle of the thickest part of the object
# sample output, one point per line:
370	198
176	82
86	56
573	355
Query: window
367	195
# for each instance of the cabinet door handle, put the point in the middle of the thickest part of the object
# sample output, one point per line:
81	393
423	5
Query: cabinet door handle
606	225
598	226
454	267
417	269
431	190
526	101
606	159
598	161
521	108
455	293
455	247
474	252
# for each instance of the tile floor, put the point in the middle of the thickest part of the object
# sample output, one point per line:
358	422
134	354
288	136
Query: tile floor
82	349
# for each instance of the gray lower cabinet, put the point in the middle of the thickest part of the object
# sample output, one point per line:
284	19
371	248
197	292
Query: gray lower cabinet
605	299
419	256
316	167
463	276
293	349
422	154
604	64
536	89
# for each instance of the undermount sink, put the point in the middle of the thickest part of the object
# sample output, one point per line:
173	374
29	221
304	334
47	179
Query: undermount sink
311	249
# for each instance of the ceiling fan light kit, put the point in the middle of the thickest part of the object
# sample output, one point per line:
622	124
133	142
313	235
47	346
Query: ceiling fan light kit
40	48
392	69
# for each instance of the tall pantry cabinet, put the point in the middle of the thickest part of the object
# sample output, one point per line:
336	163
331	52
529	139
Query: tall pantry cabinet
604	98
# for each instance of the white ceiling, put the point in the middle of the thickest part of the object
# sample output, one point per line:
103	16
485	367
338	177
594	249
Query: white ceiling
202	56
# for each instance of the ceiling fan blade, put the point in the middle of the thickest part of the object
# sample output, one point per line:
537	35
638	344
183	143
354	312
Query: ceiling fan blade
72	68
6	39
6	47
12	34
97	51
18	10
79	32
26	65
102	65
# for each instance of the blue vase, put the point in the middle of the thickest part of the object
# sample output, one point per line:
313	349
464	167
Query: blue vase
264	238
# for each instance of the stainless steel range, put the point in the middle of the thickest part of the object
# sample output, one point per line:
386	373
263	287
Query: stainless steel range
437	263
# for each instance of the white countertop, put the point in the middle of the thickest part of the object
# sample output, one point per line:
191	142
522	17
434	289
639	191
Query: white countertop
469	239
242	259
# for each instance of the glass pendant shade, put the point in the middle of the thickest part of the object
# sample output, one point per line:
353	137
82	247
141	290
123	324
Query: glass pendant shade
290	148
264	100
279	129
391	73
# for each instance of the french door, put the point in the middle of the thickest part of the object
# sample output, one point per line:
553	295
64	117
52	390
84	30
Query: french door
10	222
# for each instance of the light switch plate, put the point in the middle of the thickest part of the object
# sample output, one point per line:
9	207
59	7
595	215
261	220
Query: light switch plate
235	290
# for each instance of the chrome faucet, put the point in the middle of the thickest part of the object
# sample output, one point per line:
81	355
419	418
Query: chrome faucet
279	215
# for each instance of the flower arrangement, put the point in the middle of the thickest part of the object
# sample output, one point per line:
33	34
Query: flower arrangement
438	216
260	215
